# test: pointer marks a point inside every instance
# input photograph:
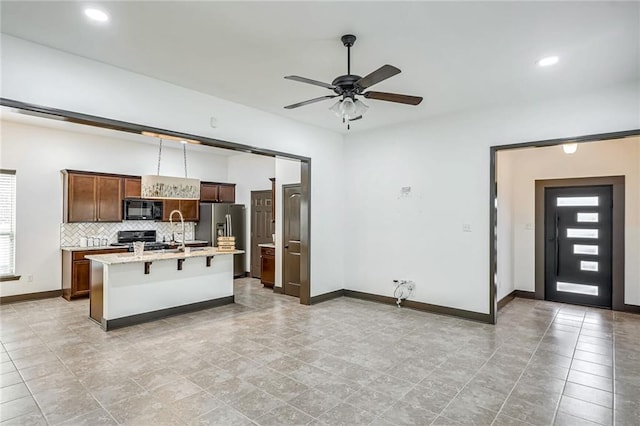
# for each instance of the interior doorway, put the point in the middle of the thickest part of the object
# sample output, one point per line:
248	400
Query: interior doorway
262	226
578	228
291	237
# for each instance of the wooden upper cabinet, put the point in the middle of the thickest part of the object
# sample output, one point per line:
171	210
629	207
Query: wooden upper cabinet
226	193
190	210
132	187
109	199
217	192
167	207
209	192
80	202
92	197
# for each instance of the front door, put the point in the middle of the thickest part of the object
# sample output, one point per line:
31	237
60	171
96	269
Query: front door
261	226
578	245
291	235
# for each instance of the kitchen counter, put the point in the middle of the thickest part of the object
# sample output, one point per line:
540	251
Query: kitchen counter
78	248
267	245
153	255
136	289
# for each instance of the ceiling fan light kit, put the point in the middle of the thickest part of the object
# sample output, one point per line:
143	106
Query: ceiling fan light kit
349	86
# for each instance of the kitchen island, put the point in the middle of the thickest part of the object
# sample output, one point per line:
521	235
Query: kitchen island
137	289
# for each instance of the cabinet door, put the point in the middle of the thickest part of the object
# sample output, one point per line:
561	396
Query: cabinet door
226	193
209	192
190	210
81	198
132	187
109	199
267	267
167	207
81	277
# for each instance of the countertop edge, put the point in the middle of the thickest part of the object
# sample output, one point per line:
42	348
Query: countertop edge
120	258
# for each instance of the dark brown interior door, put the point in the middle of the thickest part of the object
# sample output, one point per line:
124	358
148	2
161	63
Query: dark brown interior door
261	227
291	227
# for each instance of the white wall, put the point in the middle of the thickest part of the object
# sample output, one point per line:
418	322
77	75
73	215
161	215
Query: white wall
287	172
446	162
38	154
36	74
249	172
524	166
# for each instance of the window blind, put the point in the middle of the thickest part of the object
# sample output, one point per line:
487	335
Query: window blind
7	221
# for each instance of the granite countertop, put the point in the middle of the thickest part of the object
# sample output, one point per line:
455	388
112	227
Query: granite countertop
150	256
78	248
267	245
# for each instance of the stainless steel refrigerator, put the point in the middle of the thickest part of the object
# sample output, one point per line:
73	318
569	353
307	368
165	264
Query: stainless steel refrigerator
222	219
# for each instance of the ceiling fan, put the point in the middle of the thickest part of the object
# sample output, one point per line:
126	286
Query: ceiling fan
349	86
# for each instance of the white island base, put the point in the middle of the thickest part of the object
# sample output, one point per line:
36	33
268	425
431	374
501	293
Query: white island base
156	285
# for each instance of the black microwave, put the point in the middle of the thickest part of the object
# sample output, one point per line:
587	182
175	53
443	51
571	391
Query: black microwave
137	209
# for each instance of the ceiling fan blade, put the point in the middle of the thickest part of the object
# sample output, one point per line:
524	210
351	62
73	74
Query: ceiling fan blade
382	73
393	97
309	81
310	101
357	118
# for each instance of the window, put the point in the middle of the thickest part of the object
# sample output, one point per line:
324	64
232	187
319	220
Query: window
7	222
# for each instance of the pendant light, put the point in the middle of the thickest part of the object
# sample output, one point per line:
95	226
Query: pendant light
170	187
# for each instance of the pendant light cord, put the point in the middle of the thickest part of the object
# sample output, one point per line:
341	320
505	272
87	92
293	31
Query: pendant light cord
159	156
184	150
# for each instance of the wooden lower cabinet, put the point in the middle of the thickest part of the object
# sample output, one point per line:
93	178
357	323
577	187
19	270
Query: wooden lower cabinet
267	266
76	271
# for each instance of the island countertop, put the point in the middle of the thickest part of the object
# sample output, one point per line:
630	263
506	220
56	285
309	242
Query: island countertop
150	256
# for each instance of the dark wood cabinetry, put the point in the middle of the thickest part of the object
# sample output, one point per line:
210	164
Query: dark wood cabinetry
218	192
267	266
109	199
92	197
97	197
190	210
76	271
132	187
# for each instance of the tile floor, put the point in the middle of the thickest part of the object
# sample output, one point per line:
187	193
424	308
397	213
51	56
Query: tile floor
268	360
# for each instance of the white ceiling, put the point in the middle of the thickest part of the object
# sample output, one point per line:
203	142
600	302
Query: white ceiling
457	55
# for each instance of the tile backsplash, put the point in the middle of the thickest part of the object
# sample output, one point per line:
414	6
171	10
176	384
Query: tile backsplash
70	233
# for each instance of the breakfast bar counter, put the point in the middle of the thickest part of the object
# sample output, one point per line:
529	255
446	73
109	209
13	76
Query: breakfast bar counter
157	284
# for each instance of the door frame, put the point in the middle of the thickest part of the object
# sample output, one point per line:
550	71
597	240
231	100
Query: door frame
617	236
493	208
109	123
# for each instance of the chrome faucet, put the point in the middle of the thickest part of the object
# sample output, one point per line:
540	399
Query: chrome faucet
171	225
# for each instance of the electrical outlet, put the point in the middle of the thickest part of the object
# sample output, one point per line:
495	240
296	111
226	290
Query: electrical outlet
30	278
411	285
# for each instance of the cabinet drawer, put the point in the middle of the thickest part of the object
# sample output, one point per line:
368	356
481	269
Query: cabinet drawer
267	251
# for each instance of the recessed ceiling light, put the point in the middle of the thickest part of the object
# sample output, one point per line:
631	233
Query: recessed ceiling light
548	61
96	14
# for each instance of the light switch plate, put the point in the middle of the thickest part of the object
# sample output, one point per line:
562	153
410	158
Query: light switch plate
466	227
